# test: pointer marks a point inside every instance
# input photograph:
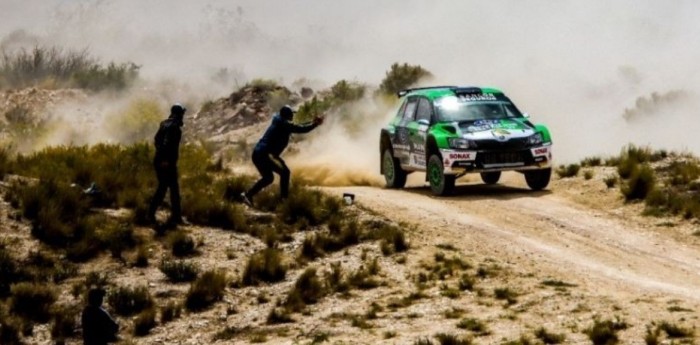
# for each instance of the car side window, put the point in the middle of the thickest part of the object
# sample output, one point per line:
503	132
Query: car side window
410	109
424	111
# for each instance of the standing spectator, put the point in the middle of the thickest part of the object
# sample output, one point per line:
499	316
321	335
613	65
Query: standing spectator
167	141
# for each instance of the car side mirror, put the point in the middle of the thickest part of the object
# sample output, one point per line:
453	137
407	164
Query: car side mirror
526	115
424	122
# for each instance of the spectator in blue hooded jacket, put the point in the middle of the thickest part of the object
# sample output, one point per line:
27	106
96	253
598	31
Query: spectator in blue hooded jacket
266	155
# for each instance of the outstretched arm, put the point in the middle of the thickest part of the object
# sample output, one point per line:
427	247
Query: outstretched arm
305	128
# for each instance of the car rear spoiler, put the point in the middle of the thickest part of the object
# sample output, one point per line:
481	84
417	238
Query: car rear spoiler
406	91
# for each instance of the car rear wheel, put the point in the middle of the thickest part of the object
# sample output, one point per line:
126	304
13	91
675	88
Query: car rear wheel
538	179
391	169
440	183
491	177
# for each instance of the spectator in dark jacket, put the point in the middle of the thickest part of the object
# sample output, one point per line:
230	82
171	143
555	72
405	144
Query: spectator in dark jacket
98	327
266	155
167	142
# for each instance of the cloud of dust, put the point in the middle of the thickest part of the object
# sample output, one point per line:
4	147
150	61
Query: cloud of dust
342	153
573	65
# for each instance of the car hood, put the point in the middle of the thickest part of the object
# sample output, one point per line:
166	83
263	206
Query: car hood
502	129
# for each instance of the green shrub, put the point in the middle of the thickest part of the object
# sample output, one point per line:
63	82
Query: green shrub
675	331
392	238
506	294
32	301
10	332
142	257
145	322
169	312
548	337
451	339
279	316
588	174
309	205
5	159
181	244
640	183
64	322
402	76
604	332
474	325
565	171
206	290
593	161
9	271
610	181
44	65
682	173
344	91
179	271
307	290
264	266
127	301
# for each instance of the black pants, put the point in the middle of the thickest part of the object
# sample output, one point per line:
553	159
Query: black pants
167	179
266	165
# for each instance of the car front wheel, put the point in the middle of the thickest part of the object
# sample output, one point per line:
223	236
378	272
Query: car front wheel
393	174
538	179
440	183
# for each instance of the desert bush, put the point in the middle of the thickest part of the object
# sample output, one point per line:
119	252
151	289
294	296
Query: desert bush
142	257
565	171
451	339
10	330
549	338
127	301
588	174
474	325
392	238
364	277
682	173
10	272
5	159
169	312
264	266
309	205
640	183
145	322
206	290
675	331
610	181
32	301
507	294
604	332
65	322
181	244
308	289
279	315
344	91
43	65
402	76
179	271
592	161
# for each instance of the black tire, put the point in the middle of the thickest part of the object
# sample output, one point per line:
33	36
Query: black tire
440	183
538	179
491	177
391	169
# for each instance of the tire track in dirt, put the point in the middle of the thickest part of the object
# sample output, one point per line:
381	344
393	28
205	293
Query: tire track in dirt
557	237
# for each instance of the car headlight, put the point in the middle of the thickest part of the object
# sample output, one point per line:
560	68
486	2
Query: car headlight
461	143
535	139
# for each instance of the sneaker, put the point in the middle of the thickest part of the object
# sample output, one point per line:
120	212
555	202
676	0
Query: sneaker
245	200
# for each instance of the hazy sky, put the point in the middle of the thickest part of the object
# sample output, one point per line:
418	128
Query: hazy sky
574	64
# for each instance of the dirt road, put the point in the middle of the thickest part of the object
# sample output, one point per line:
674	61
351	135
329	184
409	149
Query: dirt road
599	249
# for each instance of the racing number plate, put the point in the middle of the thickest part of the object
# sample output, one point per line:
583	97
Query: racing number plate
502	157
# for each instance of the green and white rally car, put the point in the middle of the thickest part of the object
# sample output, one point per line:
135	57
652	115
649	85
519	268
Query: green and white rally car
450	131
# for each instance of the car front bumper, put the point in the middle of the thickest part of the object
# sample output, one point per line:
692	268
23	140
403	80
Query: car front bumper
465	161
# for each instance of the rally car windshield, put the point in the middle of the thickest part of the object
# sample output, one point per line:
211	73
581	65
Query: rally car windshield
450	111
